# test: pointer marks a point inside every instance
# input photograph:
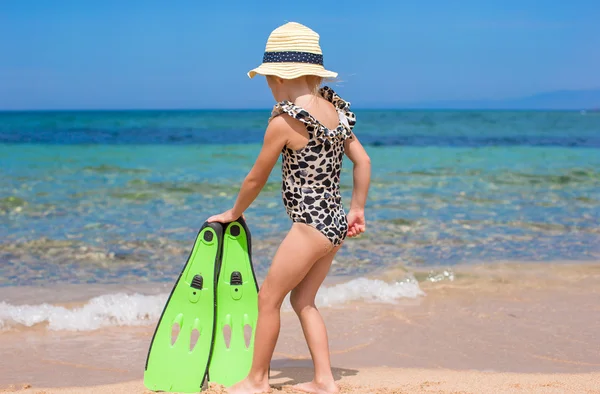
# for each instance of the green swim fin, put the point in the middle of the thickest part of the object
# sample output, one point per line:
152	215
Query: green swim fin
237	308
180	363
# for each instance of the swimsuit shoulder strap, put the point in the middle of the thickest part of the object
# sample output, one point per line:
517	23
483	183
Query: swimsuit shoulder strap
293	110
313	126
296	112
341	105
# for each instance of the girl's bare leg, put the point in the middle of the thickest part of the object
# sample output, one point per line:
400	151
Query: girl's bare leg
296	255
303	302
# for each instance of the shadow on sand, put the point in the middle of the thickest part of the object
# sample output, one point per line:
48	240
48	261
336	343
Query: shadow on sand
286	372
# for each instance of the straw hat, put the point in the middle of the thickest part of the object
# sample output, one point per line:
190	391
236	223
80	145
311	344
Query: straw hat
292	51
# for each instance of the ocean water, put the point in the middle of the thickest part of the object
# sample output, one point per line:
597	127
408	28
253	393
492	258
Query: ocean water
118	197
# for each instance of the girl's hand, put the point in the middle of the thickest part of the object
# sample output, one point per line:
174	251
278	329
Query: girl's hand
356	222
225	217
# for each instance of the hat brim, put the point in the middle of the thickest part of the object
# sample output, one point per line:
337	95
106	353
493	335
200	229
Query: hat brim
291	70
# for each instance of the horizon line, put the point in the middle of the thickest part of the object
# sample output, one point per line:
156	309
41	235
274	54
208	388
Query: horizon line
593	109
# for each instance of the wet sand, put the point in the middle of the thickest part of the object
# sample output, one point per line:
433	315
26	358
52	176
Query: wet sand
496	328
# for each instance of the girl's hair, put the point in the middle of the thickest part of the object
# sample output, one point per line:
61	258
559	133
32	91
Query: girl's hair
314	82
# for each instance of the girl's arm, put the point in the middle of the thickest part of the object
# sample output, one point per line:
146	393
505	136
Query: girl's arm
274	141
361	180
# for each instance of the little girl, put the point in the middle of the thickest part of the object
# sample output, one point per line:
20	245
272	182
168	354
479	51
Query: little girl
311	127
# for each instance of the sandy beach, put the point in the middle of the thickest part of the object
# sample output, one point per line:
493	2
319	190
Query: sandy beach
496	328
397	381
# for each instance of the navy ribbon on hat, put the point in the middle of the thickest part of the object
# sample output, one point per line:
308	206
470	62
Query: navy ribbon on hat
293	57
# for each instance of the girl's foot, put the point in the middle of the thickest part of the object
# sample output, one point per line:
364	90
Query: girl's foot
318	388
248	387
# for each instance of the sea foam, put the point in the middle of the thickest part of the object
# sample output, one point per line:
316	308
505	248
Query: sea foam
120	309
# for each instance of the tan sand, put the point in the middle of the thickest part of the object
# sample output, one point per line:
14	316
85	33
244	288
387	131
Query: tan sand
393	380
501	328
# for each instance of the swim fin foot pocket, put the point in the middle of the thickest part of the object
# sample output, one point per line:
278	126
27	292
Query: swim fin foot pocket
208	299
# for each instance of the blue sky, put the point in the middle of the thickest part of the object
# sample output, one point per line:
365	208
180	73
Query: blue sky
195	54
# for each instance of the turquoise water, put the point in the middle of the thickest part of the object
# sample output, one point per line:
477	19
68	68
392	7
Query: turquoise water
117	197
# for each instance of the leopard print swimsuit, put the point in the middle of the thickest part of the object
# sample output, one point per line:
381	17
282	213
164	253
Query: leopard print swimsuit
311	175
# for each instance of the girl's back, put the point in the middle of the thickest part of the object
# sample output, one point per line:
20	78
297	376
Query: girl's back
311	173
322	110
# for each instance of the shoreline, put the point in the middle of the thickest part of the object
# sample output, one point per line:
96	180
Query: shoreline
505	327
541	272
